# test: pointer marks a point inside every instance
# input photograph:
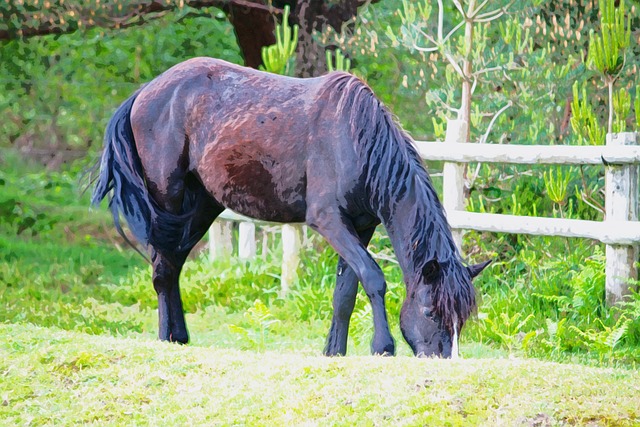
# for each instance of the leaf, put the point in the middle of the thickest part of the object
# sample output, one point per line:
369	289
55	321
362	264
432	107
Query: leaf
617	332
276	57
238	330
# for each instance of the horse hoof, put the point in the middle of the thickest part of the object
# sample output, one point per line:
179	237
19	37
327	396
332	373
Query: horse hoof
333	353
179	338
387	351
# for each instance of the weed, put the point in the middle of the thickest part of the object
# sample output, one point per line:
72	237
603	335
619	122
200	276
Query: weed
604	339
259	320
542	297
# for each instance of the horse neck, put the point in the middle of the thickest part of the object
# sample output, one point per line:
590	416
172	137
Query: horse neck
416	221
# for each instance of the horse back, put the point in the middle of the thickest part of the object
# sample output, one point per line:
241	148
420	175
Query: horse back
248	136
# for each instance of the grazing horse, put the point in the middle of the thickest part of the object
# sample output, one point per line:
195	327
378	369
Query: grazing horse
208	135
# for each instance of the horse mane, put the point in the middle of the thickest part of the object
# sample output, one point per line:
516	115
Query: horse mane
393	166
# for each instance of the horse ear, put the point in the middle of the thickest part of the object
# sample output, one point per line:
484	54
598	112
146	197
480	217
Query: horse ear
431	269
474	270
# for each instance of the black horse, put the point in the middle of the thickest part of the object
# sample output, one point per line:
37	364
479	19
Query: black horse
208	135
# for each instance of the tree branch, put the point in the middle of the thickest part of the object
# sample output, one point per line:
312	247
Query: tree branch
16	21
460	8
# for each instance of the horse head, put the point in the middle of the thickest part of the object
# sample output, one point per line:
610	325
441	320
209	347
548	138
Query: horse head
436	307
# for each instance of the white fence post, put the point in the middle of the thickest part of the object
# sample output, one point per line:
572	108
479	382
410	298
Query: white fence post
221	239
453	176
621	203
247	240
291	243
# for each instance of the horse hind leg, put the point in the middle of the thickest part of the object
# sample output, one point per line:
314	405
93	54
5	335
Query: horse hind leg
168	261
166	273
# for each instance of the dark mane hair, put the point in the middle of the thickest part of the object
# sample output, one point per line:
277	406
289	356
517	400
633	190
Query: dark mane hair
393	166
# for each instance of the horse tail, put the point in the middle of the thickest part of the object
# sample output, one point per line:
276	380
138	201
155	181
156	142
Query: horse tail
121	177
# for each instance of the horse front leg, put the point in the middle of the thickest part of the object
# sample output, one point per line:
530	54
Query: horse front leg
166	273
375	286
340	234
344	299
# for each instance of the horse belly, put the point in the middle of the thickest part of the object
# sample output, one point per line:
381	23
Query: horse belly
255	183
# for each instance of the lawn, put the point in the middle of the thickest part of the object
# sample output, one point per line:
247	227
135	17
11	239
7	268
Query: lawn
56	377
78	321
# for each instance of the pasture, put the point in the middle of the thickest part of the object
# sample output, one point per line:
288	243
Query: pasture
80	318
79	324
56	377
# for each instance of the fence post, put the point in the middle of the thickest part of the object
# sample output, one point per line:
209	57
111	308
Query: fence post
246	240
453	176
621	203
291	242
221	239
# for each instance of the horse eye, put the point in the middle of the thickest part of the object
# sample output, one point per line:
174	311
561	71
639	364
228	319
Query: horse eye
426	311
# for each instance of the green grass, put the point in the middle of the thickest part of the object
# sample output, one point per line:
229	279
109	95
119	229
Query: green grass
56	377
79	323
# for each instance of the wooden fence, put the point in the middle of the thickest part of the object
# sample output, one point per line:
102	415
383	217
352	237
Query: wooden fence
620	230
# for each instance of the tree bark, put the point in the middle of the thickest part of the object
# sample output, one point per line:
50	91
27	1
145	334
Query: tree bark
254	29
316	15
253	22
17	21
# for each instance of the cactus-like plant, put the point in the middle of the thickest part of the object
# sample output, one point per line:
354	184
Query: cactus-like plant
341	63
607	49
636	106
584	121
621	108
276	57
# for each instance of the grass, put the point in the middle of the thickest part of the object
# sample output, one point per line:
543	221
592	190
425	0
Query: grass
56	377
78	320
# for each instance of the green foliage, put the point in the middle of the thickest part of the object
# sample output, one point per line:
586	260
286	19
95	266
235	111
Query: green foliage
553	336
34	17
506	330
607	48
552	304
337	61
581	296
604	339
59	91
636	106
259	319
557	184
584	121
412	14
630	308
277	58
621	108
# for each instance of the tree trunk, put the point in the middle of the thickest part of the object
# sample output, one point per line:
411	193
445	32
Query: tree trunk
254	29
314	16
253	21
309	54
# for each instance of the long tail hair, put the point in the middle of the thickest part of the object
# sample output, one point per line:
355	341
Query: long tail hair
120	177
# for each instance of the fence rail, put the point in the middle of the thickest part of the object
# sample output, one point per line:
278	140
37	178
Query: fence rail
465	152
620	231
